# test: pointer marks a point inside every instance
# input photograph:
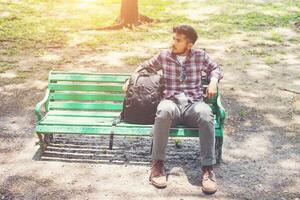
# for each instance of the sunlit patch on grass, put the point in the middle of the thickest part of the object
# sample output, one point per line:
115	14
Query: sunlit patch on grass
4	66
134	60
270	60
276	37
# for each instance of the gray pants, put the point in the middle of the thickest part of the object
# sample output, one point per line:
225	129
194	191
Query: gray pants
198	115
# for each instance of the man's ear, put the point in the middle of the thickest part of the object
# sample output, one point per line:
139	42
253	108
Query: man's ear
190	45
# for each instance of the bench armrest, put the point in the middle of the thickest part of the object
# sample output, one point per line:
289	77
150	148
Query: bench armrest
221	109
37	109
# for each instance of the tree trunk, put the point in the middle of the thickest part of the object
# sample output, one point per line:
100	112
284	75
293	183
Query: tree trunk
129	16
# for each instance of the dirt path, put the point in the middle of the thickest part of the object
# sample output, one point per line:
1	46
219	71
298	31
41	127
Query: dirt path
261	154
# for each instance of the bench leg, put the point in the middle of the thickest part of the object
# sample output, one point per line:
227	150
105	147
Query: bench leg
218	149
111	141
151	147
48	138
41	141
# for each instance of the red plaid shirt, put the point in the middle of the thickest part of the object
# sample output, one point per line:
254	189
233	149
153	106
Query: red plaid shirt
186	77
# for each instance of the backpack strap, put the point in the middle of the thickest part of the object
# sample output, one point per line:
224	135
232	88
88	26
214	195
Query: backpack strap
148	69
118	119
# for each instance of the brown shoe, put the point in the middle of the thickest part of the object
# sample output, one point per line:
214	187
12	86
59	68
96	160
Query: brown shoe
209	183
158	176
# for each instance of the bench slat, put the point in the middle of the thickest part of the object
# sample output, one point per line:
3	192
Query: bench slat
175	132
82	113
112	78
85	106
89	73
78	121
86	97
95	121
97	130
85	87
87	130
128	125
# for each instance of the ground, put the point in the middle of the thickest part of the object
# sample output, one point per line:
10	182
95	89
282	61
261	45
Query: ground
257	44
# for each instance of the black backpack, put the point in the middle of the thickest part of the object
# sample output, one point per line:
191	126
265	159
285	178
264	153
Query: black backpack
142	97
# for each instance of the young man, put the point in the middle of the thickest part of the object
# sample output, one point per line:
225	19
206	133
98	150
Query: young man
183	103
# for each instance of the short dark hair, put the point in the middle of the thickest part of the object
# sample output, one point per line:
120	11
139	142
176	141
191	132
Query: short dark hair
188	31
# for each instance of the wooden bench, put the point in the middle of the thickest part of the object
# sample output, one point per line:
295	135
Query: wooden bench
89	103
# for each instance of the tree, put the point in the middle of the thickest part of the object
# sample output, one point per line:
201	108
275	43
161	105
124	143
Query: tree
129	16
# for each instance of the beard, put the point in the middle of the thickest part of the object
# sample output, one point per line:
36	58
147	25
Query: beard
176	52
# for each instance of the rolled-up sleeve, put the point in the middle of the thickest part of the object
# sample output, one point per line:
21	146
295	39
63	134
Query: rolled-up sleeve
211	68
154	63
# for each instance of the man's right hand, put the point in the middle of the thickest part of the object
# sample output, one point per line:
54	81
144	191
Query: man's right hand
125	86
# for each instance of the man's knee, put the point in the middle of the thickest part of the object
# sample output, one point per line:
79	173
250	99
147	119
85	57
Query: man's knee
204	113
167	110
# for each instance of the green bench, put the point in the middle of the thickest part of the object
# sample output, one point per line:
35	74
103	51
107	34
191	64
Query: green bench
89	103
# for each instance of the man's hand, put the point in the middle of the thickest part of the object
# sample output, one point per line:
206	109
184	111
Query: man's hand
125	86
212	88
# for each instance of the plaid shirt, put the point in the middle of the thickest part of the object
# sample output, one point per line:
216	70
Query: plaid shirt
186	77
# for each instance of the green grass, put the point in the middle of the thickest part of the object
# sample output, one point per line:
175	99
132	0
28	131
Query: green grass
32	25
35	24
294	40
115	39
243	16
178	143
243	113
269	55
4	66
134	60
270	60
228	24
276	37
25	28
258	51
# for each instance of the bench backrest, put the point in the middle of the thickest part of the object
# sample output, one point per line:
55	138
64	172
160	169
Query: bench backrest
86	91
89	91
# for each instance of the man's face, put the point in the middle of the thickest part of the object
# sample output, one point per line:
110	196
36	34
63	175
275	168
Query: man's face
180	44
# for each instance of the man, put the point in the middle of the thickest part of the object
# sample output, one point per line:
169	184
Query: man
183	103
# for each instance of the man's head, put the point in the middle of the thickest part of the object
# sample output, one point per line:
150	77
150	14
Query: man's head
184	37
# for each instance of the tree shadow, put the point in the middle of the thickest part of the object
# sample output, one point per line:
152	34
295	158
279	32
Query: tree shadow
29	187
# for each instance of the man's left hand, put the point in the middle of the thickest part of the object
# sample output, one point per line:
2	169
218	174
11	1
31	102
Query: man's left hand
212	88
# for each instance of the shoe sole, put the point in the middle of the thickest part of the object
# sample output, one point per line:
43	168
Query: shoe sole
208	192
156	185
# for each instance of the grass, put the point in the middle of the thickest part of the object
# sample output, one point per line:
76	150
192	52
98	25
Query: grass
269	55
34	24
227	24
178	143
243	113
24	28
31	26
134	60
276	37
4	66
269	60
115	39
258	51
